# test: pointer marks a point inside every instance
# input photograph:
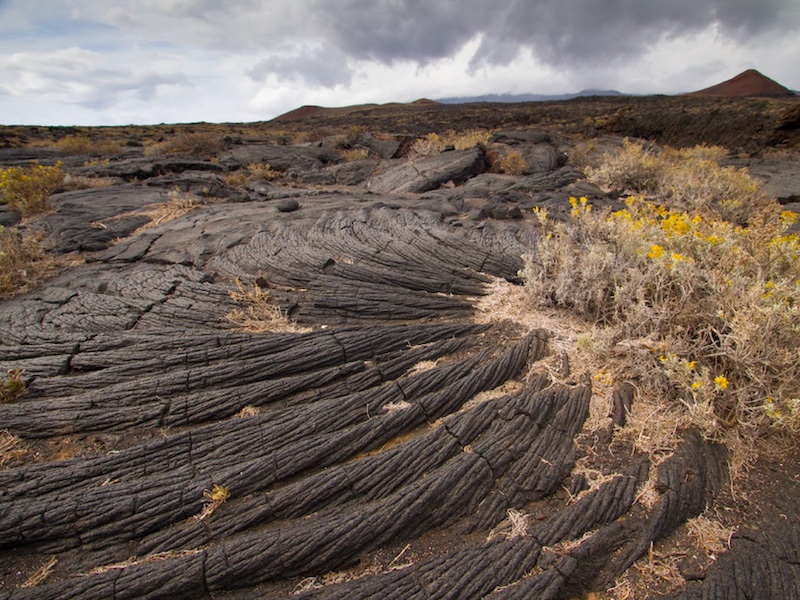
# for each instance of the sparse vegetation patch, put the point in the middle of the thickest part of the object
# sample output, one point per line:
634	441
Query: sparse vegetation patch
714	303
27	189
23	261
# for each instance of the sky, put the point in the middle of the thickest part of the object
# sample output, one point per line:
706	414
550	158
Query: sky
117	62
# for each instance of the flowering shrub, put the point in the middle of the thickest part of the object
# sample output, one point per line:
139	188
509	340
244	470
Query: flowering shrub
26	189
720	300
689	179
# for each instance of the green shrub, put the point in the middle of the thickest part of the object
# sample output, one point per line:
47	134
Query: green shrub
12	386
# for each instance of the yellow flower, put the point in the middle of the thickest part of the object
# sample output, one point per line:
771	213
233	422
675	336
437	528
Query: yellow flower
690	365
656	251
721	382
677	257
697	385
713	240
788	217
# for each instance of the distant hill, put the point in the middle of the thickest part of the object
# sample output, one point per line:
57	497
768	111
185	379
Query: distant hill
529	97
749	83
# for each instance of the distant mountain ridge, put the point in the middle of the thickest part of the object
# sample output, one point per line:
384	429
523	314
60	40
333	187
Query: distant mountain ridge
529	97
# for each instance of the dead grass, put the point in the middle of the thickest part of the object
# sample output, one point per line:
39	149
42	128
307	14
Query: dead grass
433	143
23	261
82	144
507	161
202	144
248	411
710	535
79	182
178	204
253	171
516	524
41	574
259	315
134	560
586	347
352	154
11	447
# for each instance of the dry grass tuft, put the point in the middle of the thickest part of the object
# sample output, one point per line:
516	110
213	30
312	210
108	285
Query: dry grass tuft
253	171
40	575
422	366
352	154
259	316
82	144
10	447
248	411
195	144
23	261
510	162
433	143
178	204
711	536
12	386
516	524
79	182
133	561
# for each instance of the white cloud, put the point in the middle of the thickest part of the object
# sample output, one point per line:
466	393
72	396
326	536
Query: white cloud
96	62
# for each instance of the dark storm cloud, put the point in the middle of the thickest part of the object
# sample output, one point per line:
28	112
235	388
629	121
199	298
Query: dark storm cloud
558	32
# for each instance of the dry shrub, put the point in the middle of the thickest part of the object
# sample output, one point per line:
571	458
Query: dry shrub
259	316
195	144
263	171
349	155
23	261
468	139
81	144
428	146
511	163
686	179
433	143
257	171
717	303
26	189
238	178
